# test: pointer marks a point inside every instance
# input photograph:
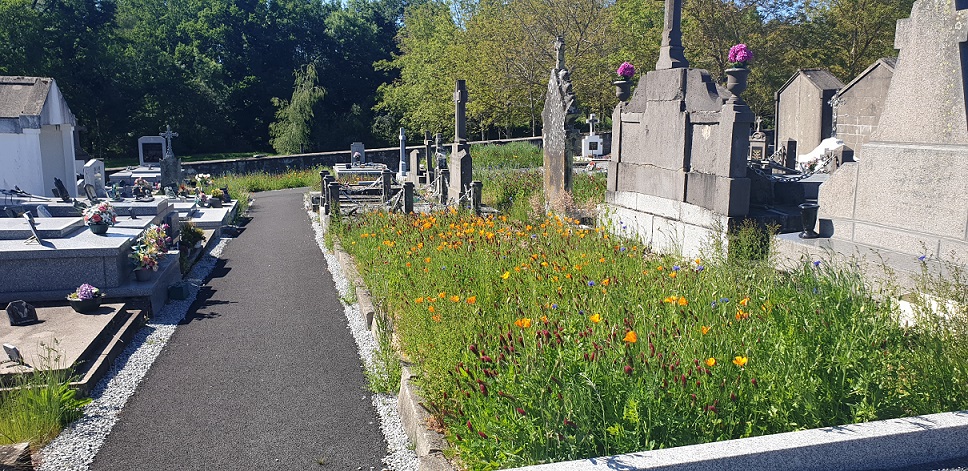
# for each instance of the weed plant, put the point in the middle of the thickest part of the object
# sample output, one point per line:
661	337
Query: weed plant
537	341
39	405
240	186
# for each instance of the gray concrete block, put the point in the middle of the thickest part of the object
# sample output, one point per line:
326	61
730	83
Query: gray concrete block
836	197
954	251
651	180
665	85
727	196
919	188
896	240
414	418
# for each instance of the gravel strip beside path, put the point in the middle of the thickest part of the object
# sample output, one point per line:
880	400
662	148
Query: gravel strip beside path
263	373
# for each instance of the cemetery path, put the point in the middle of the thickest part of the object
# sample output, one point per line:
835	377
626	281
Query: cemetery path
263	373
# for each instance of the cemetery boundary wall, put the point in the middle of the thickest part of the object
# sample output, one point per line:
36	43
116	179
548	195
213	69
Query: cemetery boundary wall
282	163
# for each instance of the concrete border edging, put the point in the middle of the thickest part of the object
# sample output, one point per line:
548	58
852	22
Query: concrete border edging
884	444
428	444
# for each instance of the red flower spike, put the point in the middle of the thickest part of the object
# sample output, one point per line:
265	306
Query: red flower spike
628	370
521	411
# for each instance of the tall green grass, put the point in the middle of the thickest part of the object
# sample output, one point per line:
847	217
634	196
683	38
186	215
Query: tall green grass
511	155
240	186
39	405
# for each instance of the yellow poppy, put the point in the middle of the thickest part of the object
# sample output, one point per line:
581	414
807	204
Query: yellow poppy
710	362
740	361
596	318
631	337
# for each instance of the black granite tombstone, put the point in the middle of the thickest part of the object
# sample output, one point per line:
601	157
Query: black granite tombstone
21	313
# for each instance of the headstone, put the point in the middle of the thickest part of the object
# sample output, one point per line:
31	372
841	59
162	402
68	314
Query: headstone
225	195
414	174
408	197
43	212
758	143
358	153
61	190
429	165
91	194
35	236
171	172
13	353
907	191
460	165
21	313
671	53
93	172
591	145
151	149
558	131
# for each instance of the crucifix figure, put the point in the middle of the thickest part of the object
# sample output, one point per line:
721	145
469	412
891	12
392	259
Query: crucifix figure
168	135
671	54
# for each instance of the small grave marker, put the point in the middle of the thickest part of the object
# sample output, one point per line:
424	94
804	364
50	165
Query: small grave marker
13	353
21	313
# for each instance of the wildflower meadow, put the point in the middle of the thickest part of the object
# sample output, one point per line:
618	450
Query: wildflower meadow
538	340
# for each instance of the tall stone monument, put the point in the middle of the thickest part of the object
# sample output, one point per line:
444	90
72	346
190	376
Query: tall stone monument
908	192
171	172
677	177
559	134
460	164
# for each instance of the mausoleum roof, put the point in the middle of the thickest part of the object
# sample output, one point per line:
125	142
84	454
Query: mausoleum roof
820	78
23	96
889	62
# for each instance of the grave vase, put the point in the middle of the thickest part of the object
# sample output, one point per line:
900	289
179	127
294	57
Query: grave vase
142	274
99	229
215	202
85	306
623	89
808	216
736	80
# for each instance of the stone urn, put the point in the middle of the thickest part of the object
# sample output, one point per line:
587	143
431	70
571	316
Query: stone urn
736	80
623	89
99	229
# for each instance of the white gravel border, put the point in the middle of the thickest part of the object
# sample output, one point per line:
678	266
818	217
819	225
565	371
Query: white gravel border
400	454
74	449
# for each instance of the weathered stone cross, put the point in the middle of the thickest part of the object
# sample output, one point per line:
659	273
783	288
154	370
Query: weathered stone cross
671	55
460	111
592	121
168	135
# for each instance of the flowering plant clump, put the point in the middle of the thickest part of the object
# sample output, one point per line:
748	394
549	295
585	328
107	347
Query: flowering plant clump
144	258
100	213
217	193
626	71
740	56
150	247
204	179
157	236
85	292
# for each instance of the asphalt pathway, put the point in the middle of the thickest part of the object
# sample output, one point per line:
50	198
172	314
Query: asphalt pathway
263	373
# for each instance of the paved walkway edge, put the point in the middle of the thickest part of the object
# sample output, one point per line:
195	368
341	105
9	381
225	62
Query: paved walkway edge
428	444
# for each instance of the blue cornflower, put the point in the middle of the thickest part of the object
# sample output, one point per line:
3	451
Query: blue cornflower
676	268
816	263
554	306
700	268
921	258
591	283
724	300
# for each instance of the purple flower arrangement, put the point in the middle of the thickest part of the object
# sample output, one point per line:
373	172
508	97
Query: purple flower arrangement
740	55
85	292
626	71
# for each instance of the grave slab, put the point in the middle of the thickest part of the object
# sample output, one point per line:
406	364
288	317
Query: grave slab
47	228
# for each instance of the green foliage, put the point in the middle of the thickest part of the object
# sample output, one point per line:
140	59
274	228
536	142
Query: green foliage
40	404
522	334
383	374
291	130
510	155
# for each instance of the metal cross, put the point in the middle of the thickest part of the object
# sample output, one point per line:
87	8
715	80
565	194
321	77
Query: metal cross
168	135
592	121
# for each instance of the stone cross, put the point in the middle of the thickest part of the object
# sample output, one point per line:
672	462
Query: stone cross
460	111
404	164
559	53
834	103
929	86
592	121
168	135
671	54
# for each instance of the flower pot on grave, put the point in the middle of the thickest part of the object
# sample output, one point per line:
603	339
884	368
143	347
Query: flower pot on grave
99	229
142	274
85	306
736	80
623	89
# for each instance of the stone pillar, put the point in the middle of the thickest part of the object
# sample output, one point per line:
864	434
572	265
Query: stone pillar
429	156
332	201
460	164
408	197
404	165
442	184
476	187
387	178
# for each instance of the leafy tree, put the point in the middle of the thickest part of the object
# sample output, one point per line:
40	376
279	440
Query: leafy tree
291	130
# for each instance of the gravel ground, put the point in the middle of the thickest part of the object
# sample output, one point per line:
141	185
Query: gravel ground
75	448
400	455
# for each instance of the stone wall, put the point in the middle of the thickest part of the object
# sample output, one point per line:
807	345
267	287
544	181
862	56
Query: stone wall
861	103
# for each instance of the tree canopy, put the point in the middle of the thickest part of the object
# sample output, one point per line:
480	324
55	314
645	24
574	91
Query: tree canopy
217	69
